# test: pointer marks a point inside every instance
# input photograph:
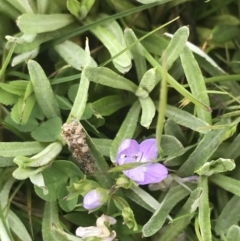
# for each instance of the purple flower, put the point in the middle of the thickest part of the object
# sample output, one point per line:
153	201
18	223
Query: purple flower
130	151
95	198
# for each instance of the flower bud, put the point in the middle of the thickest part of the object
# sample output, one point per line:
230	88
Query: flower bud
95	198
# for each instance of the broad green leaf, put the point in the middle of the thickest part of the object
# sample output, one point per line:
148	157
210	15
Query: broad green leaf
183	217
7	98
230	33
153	1
217	166
27	148
204	150
171	146
114	46
73	54
48	131
26	6
230	215
18	227
176	46
73	7
155	223
106	76
186	119
204	210
126	130
171	128
147	83
41	23
196	83
142	198
137	52
233	233
43	91
17	87
110	104
227	183
57	176
148	111
103	145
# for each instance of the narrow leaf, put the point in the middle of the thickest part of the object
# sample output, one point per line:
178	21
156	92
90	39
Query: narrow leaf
148	111
126	130
155	223
227	183
41	23
204	210
107	77
43	90
196	83
12	149
137	52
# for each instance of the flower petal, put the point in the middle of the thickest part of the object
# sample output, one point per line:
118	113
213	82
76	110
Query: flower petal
92	200
127	148
154	173
91	231
149	150
136	174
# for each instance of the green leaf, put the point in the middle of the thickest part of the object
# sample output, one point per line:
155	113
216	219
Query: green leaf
86	6
48	131
103	145
7	98
12	149
107	77
42	6
233	233
73	7
196	83
229	215
227	183
126	130
73	54
217	166
176	46
142	198
183	217
148	111
110	104
43	91
57	176
17	87
171	146
41	23
111	37
137	52
28	103
204	210
186	119
204	150
230	33
175	195
171	128
16	225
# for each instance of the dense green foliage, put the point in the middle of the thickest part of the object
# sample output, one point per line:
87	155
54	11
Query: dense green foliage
112	70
